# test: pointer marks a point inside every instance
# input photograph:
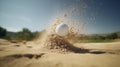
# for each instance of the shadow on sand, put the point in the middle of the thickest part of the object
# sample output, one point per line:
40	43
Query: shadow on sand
30	56
82	51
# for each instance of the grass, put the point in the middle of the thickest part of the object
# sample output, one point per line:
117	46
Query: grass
97	40
100	40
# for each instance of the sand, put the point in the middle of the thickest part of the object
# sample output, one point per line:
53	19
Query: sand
30	55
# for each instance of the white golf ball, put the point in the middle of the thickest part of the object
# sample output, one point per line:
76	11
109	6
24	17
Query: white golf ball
62	29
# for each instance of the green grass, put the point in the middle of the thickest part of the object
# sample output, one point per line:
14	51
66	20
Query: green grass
100	40
95	40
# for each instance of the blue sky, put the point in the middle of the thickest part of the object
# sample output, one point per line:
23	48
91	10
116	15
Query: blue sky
100	16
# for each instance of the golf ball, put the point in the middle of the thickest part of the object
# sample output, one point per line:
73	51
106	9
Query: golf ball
62	29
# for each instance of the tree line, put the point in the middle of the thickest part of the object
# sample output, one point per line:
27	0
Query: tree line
25	34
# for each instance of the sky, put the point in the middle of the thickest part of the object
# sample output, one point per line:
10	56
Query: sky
99	16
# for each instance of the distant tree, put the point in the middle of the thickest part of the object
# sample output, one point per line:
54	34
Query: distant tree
36	34
2	32
112	36
25	34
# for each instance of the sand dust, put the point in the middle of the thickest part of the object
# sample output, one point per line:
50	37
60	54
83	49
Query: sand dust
51	41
